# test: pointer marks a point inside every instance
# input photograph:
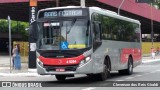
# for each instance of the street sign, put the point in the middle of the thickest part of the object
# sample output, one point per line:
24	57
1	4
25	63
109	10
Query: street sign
146	1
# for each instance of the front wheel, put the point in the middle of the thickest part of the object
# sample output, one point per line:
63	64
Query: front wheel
60	77
106	71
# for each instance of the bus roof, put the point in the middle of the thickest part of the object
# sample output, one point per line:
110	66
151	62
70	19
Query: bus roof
66	7
99	10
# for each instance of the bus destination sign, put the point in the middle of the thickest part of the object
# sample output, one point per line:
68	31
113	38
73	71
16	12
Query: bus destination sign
61	13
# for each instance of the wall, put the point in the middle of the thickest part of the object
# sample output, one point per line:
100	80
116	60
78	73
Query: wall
146	46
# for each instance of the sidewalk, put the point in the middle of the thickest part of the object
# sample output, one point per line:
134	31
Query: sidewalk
148	59
25	71
5	69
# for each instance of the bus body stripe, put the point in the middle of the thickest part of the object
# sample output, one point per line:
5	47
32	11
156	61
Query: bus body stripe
61	61
135	52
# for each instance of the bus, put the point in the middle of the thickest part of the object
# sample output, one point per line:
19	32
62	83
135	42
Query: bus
85	40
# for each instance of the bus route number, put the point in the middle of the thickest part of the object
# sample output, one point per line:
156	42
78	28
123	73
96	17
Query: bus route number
71	61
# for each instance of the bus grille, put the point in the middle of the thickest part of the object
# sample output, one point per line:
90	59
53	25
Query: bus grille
67	68
54	55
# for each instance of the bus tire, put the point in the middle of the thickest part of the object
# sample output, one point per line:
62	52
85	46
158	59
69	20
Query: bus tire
106	71
129	70
60	77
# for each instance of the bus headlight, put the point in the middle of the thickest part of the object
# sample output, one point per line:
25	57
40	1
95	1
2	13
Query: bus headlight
87	59
39	62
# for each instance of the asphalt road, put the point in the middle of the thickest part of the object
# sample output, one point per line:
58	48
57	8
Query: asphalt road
144	72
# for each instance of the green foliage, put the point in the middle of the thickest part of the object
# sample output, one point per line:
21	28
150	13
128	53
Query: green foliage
3	25
16	27
157	4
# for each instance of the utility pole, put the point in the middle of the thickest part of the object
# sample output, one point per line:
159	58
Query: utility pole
120	7
33	7
57	3
9	28
82	3
149	1
152	33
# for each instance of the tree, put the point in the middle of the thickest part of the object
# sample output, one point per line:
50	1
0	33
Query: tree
18	28
157	4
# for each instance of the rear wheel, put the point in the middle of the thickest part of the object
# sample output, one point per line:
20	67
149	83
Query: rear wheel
60	77
129	70
106	71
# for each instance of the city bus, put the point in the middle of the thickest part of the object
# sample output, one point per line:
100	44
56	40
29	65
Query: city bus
85	40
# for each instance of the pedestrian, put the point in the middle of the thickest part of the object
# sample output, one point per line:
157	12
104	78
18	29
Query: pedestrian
13	55
153	53
16	57
157	51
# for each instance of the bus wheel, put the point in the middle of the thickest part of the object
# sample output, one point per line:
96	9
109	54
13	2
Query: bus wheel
60	77
129	70
106	71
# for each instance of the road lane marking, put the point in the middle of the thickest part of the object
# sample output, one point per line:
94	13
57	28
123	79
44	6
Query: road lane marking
130	78
153	72
158	70
146	73
119	80
138	75
148	66
89	88
4	68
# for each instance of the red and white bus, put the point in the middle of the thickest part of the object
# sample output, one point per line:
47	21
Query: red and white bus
93	41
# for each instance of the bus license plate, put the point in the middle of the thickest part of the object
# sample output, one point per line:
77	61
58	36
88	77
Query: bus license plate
60	70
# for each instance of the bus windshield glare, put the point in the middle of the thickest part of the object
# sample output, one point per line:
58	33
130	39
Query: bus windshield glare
64	35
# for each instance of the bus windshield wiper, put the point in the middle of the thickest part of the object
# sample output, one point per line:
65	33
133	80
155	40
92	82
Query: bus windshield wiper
68	30
73	22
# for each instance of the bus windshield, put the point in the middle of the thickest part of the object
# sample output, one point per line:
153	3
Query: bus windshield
64	35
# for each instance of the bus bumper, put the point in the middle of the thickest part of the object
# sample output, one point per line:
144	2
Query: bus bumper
83	69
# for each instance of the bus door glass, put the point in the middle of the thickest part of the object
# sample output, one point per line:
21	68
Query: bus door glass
97	34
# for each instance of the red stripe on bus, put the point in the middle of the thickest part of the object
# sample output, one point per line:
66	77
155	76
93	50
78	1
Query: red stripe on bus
61	61
134	52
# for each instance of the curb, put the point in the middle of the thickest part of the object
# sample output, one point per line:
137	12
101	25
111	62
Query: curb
29	73
148	61
20	74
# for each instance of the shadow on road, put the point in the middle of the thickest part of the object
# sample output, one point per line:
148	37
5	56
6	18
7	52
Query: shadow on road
75	82
84	81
